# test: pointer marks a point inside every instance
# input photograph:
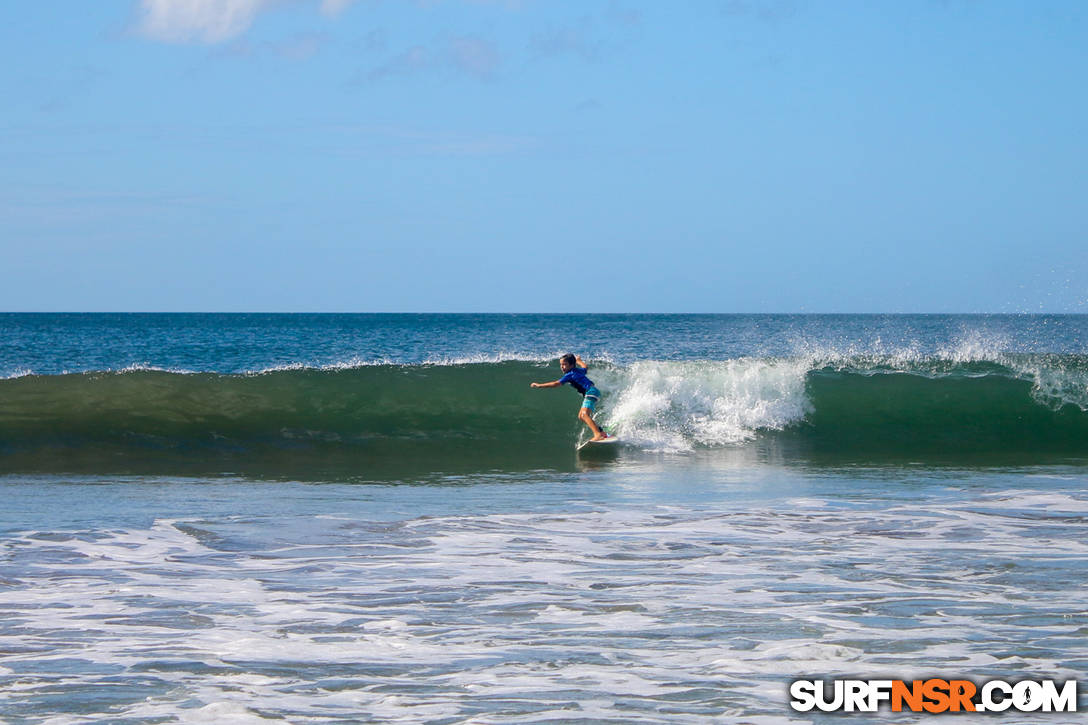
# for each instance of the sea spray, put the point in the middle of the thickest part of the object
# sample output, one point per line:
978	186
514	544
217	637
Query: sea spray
675	406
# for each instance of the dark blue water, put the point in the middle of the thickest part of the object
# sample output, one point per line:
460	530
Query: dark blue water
229	343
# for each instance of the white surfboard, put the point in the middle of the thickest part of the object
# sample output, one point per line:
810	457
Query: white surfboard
607	441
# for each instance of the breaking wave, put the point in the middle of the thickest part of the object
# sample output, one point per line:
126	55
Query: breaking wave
485	411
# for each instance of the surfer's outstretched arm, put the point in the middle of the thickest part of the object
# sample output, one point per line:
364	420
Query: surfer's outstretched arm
552	384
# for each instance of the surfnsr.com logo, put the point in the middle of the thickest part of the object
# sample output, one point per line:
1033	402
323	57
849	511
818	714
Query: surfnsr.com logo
933	696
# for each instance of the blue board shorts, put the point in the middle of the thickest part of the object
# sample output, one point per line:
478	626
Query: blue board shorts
590	398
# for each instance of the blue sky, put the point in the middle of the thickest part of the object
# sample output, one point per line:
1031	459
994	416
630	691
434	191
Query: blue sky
505	156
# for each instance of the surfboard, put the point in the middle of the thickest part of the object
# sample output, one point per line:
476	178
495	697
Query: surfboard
607	441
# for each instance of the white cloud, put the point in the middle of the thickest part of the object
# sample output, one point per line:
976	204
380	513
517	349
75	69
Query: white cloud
334	7
209	21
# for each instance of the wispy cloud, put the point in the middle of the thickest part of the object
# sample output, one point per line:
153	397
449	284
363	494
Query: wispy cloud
470	55
590	37
334	7
209	21
573	40
299	46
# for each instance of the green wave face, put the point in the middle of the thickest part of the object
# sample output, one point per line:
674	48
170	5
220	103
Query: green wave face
910	413
484	416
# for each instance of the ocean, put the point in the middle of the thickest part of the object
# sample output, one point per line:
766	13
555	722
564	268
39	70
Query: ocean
253	518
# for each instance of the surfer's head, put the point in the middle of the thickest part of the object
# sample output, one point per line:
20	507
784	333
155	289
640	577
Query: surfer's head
567	362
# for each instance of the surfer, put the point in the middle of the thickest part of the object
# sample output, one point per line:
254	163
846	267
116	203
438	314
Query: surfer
574	373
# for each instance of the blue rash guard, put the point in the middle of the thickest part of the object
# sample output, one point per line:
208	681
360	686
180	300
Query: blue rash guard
577	380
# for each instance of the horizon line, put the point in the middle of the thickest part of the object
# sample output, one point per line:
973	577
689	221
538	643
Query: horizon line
555	313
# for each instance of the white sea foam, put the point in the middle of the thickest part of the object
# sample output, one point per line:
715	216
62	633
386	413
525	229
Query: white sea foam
359	362
148	367
614	613
496	357
1054	384
229	713
672	406
131	368
348	364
